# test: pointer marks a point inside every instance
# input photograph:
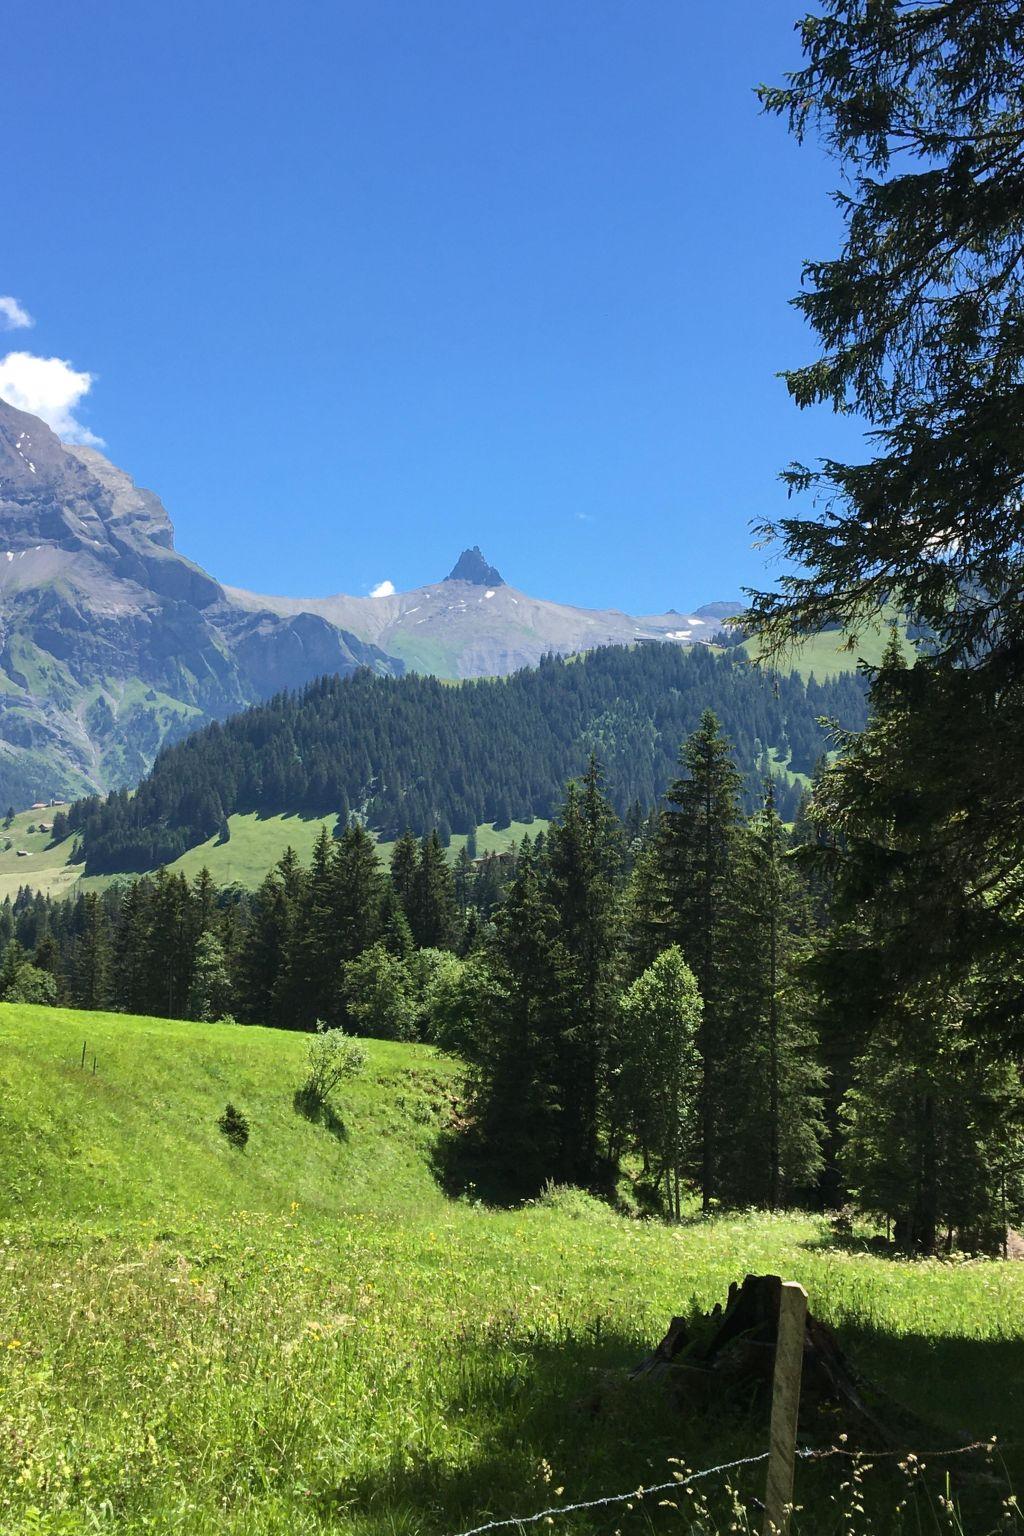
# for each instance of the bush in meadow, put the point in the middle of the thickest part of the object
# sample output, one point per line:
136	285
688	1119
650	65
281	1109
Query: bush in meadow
234	1126
333	1058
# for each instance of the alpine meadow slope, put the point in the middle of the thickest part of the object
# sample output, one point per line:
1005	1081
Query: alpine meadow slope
307	1336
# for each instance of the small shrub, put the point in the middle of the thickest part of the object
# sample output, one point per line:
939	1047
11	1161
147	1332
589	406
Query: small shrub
575	1203
234	1126
334	1057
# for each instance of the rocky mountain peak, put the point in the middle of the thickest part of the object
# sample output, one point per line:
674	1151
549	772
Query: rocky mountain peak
471	566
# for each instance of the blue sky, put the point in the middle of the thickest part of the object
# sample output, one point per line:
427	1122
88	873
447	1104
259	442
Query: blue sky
359	282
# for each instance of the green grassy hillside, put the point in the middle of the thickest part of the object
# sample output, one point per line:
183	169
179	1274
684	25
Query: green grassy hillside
34	859
254	846
828	654
139	1135
308	1336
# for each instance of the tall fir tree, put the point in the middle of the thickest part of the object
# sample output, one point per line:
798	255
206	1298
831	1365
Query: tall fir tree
262	957
169	945
771	1091
920	324
698	853
514	1052
358	885
433	910
584	861
91	960
130	981
404	861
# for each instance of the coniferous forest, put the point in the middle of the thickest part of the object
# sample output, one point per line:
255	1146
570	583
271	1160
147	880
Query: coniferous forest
673	991
417	753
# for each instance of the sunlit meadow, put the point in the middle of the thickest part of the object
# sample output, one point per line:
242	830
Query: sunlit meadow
307	1336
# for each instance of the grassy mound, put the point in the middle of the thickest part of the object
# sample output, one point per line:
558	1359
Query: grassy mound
139	1136
306	1336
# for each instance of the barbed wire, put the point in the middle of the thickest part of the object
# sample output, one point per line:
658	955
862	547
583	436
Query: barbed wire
616	1498
810	1454
681	1480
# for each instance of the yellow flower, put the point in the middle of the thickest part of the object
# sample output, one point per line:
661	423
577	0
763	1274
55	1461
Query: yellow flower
14	1344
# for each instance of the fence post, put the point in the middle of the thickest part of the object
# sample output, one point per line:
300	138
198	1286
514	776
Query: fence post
789	1359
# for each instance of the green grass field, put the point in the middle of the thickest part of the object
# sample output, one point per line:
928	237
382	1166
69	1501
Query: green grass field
307	1336
45	866
828	654
254	846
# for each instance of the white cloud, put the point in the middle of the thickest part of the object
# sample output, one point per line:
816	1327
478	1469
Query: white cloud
48	387
13	317
383	589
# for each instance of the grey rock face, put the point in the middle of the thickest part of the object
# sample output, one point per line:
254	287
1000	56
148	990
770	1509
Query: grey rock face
472	567
111	642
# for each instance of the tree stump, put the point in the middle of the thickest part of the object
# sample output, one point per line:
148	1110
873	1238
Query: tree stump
730	1353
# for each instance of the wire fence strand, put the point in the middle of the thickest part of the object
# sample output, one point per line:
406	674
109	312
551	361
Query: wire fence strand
615	1498
806	1453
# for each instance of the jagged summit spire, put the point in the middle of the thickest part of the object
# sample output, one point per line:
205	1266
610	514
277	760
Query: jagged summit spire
471	566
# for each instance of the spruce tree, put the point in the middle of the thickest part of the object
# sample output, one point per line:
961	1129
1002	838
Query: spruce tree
310	983
395	933
771	1091
433	911
584	868
129	975
514	1068
921	329
91	963
698	849
262	956
935	1133
404	861
357	892
169	944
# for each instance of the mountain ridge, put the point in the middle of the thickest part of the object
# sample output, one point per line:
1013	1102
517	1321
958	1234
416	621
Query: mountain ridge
113	643
474	623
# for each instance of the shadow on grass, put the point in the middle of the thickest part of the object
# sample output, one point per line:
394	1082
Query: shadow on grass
549	1423
831	1240
312	1108
464	1167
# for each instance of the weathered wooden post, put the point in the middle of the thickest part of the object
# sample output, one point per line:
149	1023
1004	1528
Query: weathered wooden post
84	1044
789	1359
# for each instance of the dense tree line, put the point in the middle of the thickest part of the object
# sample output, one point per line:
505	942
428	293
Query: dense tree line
416	753
691	993
653	1004
281	955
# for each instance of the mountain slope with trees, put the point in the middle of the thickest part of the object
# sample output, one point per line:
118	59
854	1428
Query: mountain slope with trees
111	641
415	753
